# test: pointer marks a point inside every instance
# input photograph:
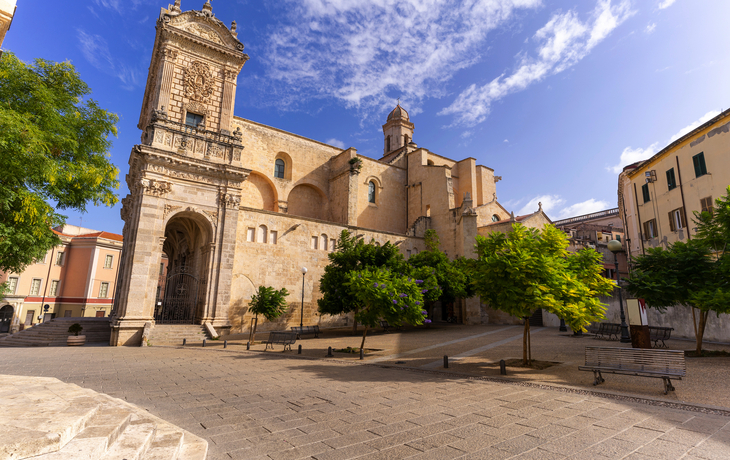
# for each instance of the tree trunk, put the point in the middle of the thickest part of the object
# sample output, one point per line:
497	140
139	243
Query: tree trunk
364	333
253	330
529	344
354	323
524	341
701	329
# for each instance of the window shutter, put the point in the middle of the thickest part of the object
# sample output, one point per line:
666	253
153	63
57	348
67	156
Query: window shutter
645	192
703	166
682	217
672	227
646	230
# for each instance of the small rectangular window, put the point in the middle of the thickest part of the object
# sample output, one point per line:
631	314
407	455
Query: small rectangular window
706	204
650	229
103	290
251	235
35	286
676	219
54	288
108	261
193	119
59	258
671	182
12	284
699	164
645	192
273	235
315	242
162	269
618	237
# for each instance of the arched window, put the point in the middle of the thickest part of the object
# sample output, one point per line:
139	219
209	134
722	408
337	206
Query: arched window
263	234
279	167
428	210
324	241
495	218
405	139
387	144
371	192
429	162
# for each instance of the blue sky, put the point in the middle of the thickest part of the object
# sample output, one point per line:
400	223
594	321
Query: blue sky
553	95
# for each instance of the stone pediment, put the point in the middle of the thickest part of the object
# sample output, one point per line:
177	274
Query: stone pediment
203	26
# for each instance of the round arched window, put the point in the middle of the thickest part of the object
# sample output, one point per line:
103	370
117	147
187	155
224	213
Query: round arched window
371	192
495	218
279	168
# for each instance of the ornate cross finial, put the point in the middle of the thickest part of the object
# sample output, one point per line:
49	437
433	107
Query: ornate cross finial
398	101
207	7
539	204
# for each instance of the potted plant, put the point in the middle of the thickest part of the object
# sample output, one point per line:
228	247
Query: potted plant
75	339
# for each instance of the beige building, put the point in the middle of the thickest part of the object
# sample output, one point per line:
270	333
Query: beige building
231	204
659	196
594	231
77	278
7	11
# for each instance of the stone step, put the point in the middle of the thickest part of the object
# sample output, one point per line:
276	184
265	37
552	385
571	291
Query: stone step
134	442
166	446
193	448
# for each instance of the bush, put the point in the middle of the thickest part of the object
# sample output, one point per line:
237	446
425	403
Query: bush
75	329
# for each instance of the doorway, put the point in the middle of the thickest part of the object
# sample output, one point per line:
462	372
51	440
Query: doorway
6	318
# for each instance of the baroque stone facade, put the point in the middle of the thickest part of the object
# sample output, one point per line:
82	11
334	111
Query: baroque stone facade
232	204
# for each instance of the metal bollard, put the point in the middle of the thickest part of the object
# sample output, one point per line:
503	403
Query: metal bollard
203	343
362	354
248	345
446	362
502	367
299	350
225	344
329	352
184	341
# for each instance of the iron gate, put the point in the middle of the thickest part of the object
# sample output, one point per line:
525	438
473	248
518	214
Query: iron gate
180	299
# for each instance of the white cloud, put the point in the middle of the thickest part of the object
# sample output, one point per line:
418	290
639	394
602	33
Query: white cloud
650	28
666	4
335	142
703	119
359	51
562	42
632	155
506	141
554	207
96	51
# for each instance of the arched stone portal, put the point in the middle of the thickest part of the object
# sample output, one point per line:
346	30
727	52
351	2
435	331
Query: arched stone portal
188	237
6	317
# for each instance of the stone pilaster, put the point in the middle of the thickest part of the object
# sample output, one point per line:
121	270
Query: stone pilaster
168	56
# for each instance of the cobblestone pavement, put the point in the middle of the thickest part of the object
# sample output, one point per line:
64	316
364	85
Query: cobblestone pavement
254	405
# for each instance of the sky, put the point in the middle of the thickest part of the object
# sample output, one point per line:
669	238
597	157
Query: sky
555	96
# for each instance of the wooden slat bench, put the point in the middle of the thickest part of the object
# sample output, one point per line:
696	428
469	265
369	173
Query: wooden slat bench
660	334
285	338
608	330
300	331
384	324
663	364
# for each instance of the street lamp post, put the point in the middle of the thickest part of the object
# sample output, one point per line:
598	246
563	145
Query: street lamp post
301	318
615	247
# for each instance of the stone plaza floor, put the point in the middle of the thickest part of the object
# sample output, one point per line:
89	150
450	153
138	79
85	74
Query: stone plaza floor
252	405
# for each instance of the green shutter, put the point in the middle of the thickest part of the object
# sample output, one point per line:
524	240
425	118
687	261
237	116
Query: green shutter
699	164
645	192
671	183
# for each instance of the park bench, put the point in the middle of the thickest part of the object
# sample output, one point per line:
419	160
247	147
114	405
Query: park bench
660	334
607	330
282	338
384	324
663	364
300	331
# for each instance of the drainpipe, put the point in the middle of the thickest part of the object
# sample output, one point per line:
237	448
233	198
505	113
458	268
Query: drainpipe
681	193
638	216
48	280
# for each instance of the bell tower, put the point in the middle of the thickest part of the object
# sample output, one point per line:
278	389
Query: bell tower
184	180
398	130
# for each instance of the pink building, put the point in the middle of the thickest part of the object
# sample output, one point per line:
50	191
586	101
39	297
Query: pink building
76	278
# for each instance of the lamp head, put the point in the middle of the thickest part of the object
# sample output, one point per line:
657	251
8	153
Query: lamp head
614	246
304	270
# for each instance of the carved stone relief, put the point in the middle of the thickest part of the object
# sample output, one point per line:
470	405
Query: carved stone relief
198	81
156	187
204	32
213	216
215	150
229	200
170	208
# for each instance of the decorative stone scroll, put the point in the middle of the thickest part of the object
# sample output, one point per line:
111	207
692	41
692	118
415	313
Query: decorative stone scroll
156	187
170	208
198	81
213	216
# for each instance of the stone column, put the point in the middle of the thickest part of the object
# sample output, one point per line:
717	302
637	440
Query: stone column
353	187
168	56
228	100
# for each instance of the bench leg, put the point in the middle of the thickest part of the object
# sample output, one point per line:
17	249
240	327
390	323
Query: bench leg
597	378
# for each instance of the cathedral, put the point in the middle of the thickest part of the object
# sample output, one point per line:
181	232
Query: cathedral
222	205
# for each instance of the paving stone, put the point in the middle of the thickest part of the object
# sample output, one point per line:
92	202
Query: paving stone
663	449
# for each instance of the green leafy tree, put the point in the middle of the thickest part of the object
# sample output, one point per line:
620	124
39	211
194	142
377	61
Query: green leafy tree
387	295
694	274
269	303
528	269
54	145
451	277
353	254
